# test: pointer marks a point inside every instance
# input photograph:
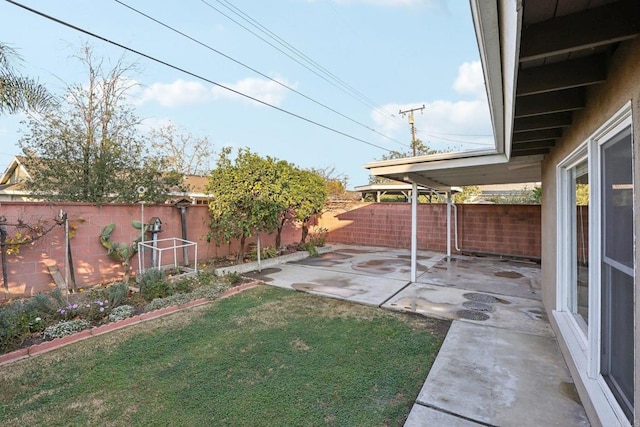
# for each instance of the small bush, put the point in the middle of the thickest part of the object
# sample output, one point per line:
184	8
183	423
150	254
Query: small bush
120	313
319	236
233	277
154	284
14	325
185	285
311	248
265	252
117	293
62	329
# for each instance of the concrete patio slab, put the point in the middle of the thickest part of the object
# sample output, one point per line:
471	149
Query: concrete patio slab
517	314
482	274
500	377
422	416
379	262
350	286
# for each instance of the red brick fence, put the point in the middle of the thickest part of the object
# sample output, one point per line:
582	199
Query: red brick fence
513	230
501	229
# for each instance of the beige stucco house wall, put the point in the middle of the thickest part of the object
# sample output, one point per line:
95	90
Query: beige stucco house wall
603	101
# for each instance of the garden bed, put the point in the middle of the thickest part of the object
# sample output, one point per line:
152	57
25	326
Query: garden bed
44	317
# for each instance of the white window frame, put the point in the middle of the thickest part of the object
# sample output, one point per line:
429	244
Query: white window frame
584	348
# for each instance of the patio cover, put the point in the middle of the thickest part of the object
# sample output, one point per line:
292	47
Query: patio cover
539	58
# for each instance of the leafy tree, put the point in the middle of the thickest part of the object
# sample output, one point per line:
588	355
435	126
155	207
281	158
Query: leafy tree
336	183
17	92
244	198
468	194
313	199
182	152
88	148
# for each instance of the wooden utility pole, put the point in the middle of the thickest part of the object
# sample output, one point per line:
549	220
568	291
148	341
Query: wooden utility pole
410	111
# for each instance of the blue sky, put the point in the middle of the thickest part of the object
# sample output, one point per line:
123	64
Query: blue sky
397	53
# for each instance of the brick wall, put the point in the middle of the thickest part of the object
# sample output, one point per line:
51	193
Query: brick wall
513	230
28	271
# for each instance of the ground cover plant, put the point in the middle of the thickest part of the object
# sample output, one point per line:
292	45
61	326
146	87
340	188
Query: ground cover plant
28	321
265	357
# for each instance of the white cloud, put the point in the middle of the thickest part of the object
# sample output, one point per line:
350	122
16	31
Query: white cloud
470	79
262	89
175	94
443	123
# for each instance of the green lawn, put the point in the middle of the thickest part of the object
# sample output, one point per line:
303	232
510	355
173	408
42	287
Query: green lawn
266	357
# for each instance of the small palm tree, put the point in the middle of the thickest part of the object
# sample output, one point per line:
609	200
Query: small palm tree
18	93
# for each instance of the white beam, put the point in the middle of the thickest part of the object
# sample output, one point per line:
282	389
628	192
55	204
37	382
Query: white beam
414	231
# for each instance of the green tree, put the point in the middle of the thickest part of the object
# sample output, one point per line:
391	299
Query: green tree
18	93
313	198
244	199
89	148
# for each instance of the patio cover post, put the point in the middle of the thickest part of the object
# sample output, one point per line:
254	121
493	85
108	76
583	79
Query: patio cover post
449	224
414	229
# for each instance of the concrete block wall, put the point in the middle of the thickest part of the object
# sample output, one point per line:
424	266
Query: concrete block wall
28	271
513	230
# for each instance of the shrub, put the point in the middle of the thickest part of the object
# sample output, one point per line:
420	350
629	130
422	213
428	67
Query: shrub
62	329
233	277
154	284
311	248
121	312
319	236
117	293
14	326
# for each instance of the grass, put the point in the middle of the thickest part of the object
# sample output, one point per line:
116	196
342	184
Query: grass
266	357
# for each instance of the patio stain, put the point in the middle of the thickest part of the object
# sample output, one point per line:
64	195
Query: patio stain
340	291
330	259
535	313
420	258
569	390
472	315
263	275
378	266
508	274
484	298
421	304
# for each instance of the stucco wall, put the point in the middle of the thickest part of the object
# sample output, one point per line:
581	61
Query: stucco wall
603	101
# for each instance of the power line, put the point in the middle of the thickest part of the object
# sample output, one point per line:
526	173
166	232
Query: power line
300	54
255	70
192	74
369	104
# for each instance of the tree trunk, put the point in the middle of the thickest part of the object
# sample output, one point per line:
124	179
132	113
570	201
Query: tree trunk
305	231
243	238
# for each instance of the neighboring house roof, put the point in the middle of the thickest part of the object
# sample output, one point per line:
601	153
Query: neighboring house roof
538	57
12	184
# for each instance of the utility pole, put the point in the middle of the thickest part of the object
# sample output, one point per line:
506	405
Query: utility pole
410	111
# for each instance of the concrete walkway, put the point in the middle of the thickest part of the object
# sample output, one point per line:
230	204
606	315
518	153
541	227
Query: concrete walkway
499	364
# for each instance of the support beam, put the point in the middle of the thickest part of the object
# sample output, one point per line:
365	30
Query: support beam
414	231
448	224
533	152
522	146
550	102
536	135
562	75
548	121
588	29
